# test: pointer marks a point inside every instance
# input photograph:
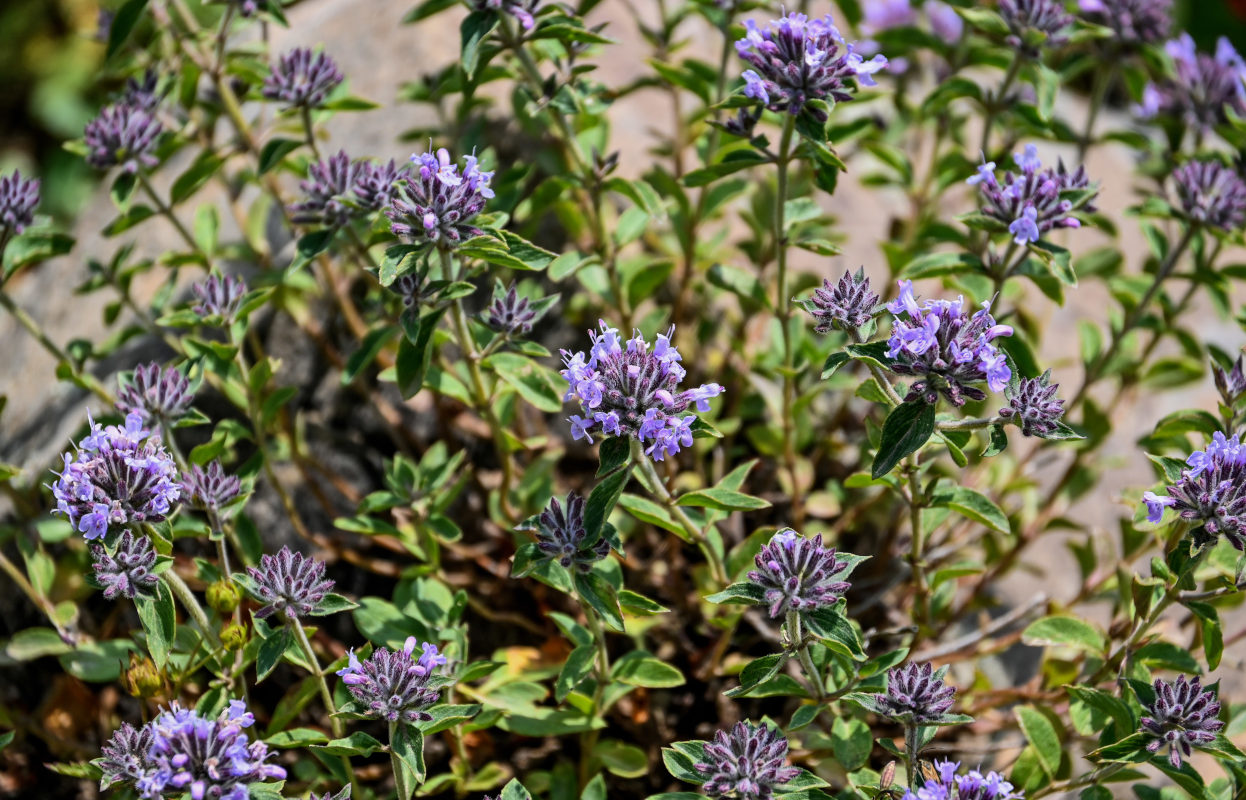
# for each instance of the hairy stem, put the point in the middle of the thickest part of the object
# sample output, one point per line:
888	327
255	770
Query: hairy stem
796	636
783	309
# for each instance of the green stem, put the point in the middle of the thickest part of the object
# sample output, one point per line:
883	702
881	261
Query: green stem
783	309
310	132
996	104
33	328
480	393
970	424
1103	79
588	741
42	603
912	733
167	212
921	602
655	485
796	638
325	694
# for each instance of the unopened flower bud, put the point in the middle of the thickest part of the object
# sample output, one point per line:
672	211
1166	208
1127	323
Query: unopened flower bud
234	637
142	679
223	596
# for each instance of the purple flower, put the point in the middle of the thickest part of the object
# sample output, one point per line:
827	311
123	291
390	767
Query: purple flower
1032	23
211	759
1202	88
1034	405
798	574
916	694
119	477
18	199
746	763
342	794
249	8
210	488
883	15
376	185
562	537
438	203
289	582
626	389
945	784
944	20
301	79
796	59
946	347
219	297
1036	200
511	314
1211	194
847	305
1211	494
1135	21
121	136
142	94
1231	383
128	571
395	686
125	756
339	190
521	10
155	394
1184	715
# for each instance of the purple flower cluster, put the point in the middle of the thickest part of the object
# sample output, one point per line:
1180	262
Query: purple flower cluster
129	570
142	93
1211	194
123	136
511	314
18	199
946	347
219	296
945	784
120	476
562	536
1183	715
847	305
438	202
210	488
302	79
1231	383
1134	21
746	763
521	10
1210	494
626	389
395	686
1203	87
339	190
211	759
155	394
125	756
916	694
1034	201
798	574
796	59
1033	405
1035	22
289	582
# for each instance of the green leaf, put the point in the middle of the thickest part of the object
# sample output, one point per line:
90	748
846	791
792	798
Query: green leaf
601	502
972	504
722	500
475	27
159	622
757	672
123	24
613	453
1043	736
851	742
514	790
998	442
746	593
32	643
195	176
600	596
638	605
414	357
831	626
622	759
297	737
906	429
1065	631
1130	750
933	265
833	362
681	759
574	670
373	342
98	662
534	383
332	604
136	215
408	745
274	150
639	668
355	744
270	653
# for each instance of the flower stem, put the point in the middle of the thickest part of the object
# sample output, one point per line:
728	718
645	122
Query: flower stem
912	736
796	637
325	694
783	309
996	104
649	476
588	741
187	598
166	211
